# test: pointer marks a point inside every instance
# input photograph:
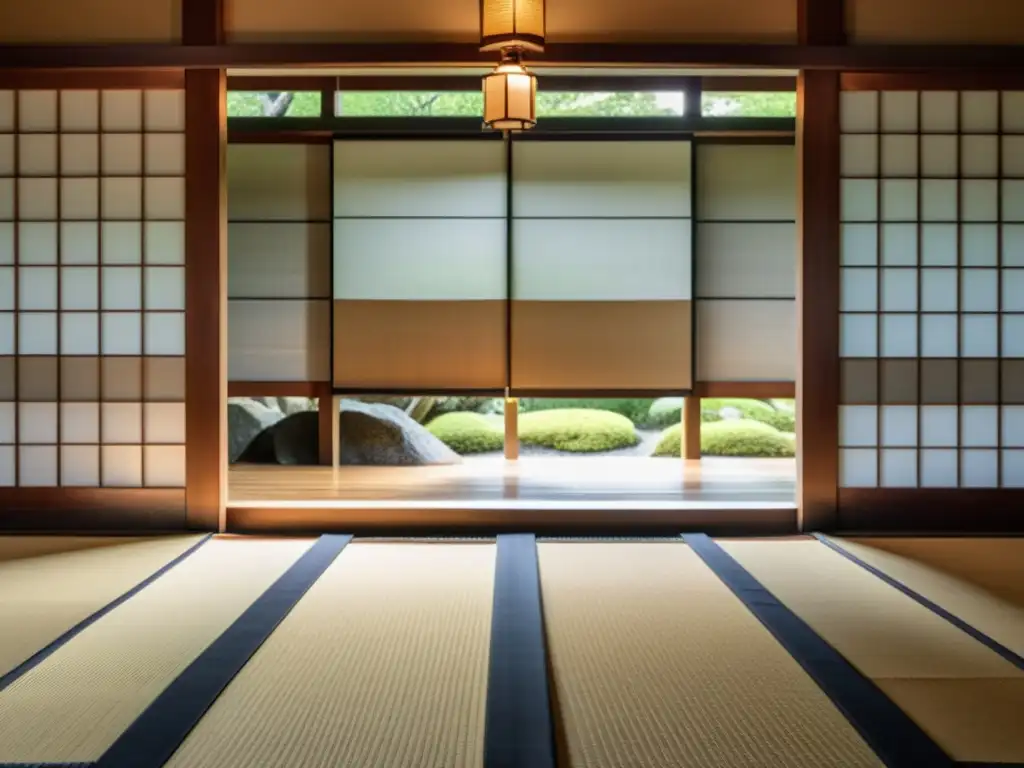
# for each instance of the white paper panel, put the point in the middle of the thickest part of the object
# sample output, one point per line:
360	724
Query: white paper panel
279	340
979	469
420	259
899	468
747	182
939	469
601	178
746	340
858	425
279	260
749	260
858	468
37	465
859	111
164	465
601	260
279	182
80	465
419	178
122	465
79	110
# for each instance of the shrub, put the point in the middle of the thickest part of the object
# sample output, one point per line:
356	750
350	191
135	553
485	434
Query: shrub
667	411
741	437
754	410
636	410
577	430
467	433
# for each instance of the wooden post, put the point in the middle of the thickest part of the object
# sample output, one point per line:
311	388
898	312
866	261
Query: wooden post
335	401
205	275
691	429
511	428
817	293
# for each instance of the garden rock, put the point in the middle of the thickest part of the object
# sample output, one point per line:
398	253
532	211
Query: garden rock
246	420
371	434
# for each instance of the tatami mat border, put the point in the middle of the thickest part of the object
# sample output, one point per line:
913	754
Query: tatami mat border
40	656
887	729
519	731
153	738
920	599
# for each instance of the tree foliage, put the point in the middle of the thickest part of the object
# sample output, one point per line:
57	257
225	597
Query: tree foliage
470	104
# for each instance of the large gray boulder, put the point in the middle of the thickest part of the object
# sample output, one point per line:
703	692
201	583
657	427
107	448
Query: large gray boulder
373	434
247	419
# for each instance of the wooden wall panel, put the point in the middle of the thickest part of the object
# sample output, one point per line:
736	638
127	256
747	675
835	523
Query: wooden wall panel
89	21
763	21
921	22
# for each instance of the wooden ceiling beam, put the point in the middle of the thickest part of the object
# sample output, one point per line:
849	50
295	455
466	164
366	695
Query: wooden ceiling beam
807	57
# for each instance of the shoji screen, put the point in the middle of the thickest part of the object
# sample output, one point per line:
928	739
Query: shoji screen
279	262
746	262
601	266
932	324
419	264
92	288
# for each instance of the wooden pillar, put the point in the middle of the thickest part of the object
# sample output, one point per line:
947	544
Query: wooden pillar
511	428
205	275
818	227
691	429
335	431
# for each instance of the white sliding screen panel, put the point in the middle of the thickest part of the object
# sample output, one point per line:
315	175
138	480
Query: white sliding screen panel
746	262
601	266
420	283
279	262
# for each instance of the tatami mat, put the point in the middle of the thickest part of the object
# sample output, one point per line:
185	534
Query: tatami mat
20	547
980	581
49	586
955	688
657	664
383	663
94	686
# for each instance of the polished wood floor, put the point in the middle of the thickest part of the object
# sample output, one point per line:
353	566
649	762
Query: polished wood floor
528	482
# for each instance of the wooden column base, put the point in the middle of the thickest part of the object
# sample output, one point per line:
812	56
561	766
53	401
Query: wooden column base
691	429
511	428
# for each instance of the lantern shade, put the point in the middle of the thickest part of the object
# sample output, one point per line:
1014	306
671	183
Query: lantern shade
512	24
510	97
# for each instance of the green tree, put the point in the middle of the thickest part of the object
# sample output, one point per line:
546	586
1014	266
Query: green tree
470	104
752	104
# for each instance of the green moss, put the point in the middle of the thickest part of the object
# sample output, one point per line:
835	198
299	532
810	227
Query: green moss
467	433
739	437
577	430
636	410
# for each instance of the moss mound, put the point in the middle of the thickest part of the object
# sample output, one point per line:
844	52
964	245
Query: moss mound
741	437
637	410
577	430
467	433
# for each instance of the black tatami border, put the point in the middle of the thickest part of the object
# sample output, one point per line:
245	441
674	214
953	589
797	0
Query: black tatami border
519	730
157	733
938	610
897	740
43	654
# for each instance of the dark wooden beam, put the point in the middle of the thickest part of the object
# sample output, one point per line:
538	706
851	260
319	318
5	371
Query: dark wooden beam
923	511
820	22
205	275
92	510
92	79
861	58
944	81
817	388
202	22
